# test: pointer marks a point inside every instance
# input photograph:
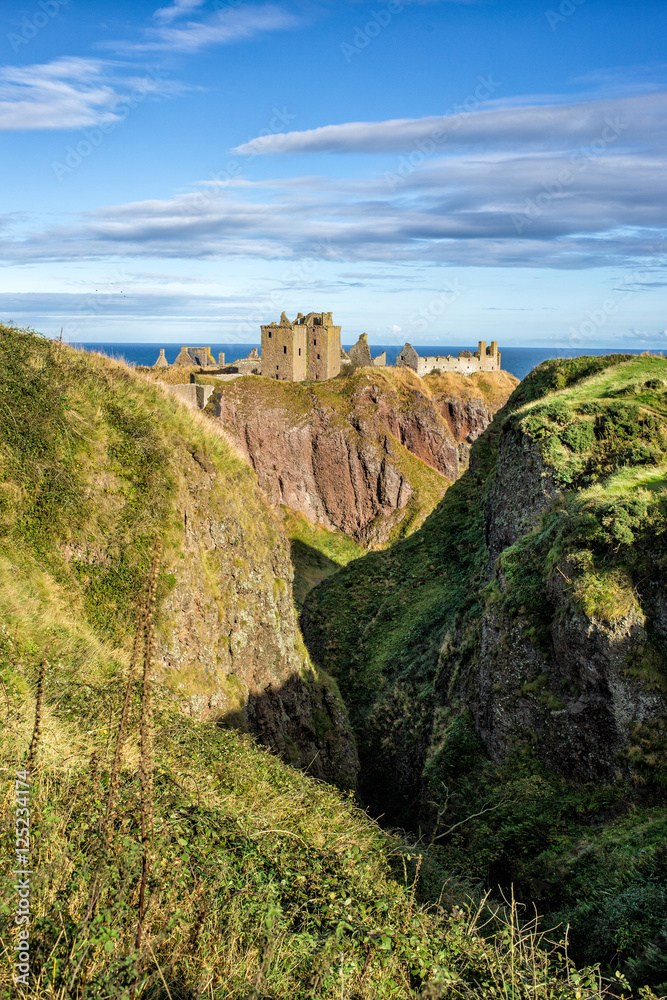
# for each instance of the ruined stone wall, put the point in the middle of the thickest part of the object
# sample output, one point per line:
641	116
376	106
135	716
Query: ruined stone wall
308	348
195	356
489	357
193	395
360	353
466	363
463	366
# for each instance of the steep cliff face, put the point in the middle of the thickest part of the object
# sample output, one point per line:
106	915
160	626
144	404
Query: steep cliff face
343	453
521	490
96	465
532	598
230	641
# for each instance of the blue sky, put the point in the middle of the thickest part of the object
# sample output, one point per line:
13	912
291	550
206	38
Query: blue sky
439	172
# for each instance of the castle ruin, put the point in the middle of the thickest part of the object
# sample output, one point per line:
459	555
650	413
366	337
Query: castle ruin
359	355
308	348
485	359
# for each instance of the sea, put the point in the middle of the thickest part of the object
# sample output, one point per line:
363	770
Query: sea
517	360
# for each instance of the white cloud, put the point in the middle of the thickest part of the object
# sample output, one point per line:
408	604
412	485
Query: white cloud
222	28
489	124
177	9
457	213
561	188
69	93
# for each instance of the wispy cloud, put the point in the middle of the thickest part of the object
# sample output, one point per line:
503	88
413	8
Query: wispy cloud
68	93
493	125
221	28
457	213
110	303
554	191
177	9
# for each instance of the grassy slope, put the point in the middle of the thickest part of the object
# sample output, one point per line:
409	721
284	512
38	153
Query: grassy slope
316	552
386	623
263	882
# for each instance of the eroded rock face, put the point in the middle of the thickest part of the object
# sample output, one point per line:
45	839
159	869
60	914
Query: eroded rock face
334	452
575	699
229	643
522	490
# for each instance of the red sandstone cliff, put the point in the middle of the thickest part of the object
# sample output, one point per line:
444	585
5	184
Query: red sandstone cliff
343	452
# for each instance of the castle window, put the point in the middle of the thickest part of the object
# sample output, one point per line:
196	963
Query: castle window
314	343
269	334
276	367
299	352
318	357
284	350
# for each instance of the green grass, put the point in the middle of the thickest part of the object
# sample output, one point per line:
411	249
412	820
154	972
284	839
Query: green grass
316	552
262	882
401	631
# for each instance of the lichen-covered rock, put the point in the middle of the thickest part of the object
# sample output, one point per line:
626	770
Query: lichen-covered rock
521	489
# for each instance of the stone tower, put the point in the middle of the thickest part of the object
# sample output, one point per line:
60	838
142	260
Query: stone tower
308	348
489	357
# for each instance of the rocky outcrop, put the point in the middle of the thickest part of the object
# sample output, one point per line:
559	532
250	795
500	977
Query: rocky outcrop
574	697
340	453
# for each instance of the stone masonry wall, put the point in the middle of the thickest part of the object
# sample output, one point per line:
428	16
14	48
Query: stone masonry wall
466	363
